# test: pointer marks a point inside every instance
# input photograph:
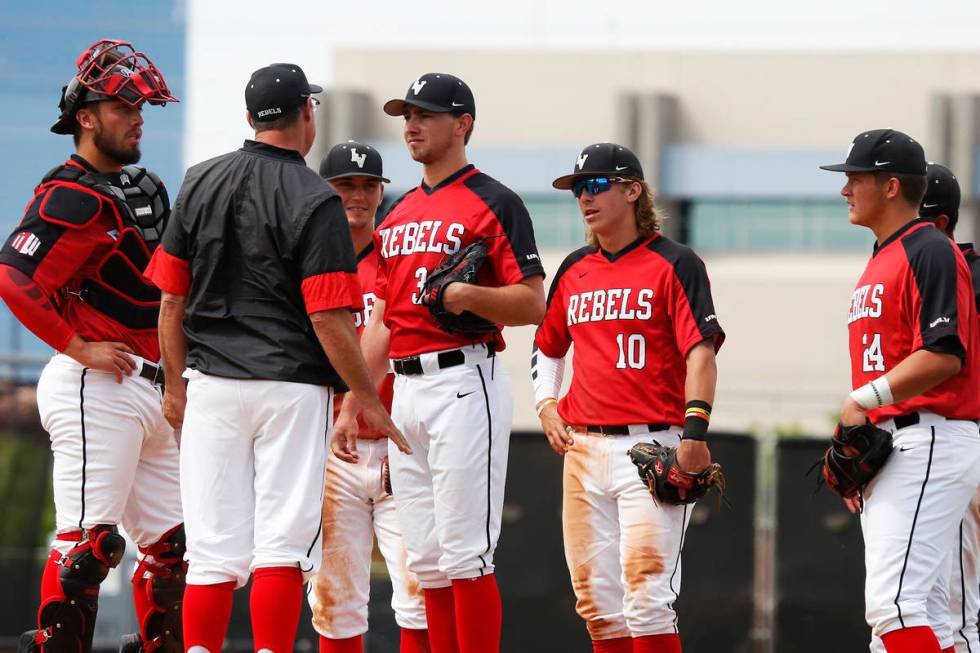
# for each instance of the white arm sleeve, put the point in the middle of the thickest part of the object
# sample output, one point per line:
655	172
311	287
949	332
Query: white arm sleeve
546	374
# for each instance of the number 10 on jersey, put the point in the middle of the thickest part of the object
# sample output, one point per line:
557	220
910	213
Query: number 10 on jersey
632	351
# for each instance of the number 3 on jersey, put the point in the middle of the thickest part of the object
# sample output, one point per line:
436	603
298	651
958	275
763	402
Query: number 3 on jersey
421	274
632	351
874	360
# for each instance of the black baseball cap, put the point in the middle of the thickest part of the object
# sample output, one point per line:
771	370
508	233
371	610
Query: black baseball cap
352	159
883	150
275	89
602	160
438	92
942	194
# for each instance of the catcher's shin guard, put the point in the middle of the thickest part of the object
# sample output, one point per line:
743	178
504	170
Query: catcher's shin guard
66	618
158	591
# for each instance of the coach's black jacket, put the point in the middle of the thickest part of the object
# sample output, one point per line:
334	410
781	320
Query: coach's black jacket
253	224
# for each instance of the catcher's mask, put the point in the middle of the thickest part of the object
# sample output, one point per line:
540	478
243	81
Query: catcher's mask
111	69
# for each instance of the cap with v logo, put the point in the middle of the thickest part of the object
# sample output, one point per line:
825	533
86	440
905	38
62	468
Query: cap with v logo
886	150
437	92
352	159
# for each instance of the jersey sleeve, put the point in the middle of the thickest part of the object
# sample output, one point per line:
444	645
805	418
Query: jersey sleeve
50	251
937	295
691	307
552	336
381	278
512	251
170	266
326	261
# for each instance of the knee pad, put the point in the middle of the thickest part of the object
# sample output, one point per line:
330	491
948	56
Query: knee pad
158	585
66	618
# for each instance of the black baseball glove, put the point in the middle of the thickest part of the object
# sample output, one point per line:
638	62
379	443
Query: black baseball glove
463	266
659	471
855	455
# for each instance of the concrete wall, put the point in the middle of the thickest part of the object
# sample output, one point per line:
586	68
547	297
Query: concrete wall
736	98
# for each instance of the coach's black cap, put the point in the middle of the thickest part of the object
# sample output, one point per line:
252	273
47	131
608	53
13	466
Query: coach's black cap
942	194
352	159
275	89
438	92
602	160
886	150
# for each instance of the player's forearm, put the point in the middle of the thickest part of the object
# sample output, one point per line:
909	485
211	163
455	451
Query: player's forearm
921	371
31	306
376	344
335	330
699	389
514	305
173	341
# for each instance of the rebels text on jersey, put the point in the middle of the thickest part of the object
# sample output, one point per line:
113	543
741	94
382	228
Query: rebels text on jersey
367	272
916	293
633	317
428	224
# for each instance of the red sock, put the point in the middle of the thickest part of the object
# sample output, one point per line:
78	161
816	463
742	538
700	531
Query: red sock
207	609
614	645
349	645
50	585
919	639
440	613
277	597
414	641
478	614
670	643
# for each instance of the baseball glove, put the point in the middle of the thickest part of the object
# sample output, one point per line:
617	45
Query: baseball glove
463	266
855	455
659	471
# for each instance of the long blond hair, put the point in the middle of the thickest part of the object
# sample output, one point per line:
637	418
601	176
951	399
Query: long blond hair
649	218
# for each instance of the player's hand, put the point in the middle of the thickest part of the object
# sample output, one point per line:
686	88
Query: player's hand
114	357
454	297
343	441
854	504
555	429
378	419
693	455
851	413
174	403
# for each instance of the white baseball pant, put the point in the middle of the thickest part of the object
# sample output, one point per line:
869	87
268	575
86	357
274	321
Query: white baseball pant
251	470
964	585
450	491
623	550
912	510
356	509
115	457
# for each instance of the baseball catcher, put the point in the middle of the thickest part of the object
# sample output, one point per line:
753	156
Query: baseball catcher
667	482
463	266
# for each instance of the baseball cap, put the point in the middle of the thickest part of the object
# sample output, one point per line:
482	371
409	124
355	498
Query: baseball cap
602	160
352	159
942	194
886	150
275	89
438	92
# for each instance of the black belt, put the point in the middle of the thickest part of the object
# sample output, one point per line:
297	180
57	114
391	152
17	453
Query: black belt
619	429
911	419
413	364
152	373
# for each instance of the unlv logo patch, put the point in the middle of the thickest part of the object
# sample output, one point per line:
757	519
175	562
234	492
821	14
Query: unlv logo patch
26	243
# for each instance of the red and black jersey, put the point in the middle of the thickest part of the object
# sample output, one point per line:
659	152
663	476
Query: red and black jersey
973	261
633	317
367	273
428	224
70	237
916	293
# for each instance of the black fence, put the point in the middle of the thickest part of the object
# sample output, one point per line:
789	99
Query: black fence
816	560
